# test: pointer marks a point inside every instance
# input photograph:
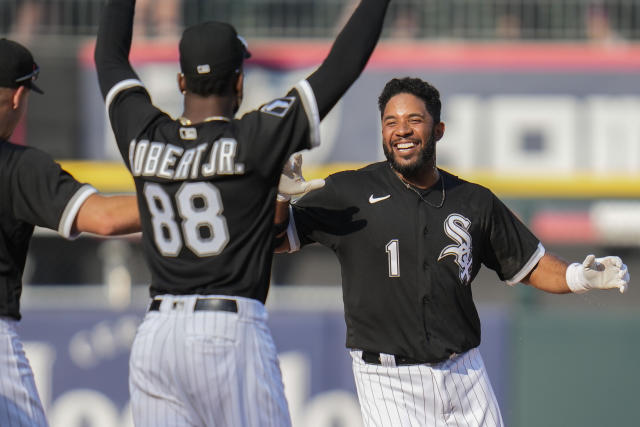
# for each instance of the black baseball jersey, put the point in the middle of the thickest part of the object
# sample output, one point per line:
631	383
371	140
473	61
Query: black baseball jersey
408	257
206	192
34	191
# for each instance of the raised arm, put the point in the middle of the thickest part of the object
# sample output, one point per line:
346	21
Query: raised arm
113	45
349	54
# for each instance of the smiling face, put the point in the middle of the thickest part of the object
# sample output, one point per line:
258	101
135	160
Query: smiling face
409	135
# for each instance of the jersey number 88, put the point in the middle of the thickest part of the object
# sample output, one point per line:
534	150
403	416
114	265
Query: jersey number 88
195	219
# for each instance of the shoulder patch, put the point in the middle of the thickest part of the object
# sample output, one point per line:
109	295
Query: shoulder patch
278	107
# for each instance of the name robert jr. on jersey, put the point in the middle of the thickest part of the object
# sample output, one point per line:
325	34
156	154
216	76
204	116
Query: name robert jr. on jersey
173	162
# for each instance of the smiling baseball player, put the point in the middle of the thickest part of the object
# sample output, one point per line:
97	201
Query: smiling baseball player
410	238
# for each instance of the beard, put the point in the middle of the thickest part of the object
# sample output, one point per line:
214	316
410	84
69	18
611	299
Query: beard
425	158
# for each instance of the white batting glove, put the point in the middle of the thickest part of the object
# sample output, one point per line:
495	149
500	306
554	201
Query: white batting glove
598	273
292	182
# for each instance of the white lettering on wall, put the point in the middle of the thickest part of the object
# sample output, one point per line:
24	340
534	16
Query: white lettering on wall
534	133
613	128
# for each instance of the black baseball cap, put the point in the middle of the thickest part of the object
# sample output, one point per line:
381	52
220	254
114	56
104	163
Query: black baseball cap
17	67
211	50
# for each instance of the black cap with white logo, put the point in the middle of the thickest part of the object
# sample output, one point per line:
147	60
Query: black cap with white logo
211	49
17	67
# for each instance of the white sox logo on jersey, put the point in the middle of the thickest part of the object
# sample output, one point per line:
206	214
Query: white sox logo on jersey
457	228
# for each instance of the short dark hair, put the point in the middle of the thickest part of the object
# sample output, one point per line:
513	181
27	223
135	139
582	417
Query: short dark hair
413	86
207	86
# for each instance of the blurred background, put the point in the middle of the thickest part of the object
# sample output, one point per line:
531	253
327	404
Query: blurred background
541	99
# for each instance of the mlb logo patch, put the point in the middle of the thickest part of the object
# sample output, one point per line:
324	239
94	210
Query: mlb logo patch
278	107
188	133
203	69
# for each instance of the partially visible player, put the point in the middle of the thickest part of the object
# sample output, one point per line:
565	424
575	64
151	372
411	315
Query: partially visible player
34	190
207	184
410	238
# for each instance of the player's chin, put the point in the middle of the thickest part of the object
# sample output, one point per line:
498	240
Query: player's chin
405	166
403	162
407	157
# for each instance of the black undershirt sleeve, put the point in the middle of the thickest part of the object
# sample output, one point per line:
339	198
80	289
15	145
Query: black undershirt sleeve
349	54
114	43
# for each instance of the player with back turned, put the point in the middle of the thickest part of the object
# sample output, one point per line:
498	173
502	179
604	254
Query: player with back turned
410	238
207	184
35	190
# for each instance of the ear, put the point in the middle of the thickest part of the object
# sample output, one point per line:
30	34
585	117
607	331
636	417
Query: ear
240	85
438	131
239	91
182	83
19	97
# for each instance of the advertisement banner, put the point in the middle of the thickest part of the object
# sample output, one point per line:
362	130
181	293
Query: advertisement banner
80	361
513	109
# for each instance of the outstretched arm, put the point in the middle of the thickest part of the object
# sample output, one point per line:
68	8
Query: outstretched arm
549	275
113	45
349	54
127	101
554	275
108	215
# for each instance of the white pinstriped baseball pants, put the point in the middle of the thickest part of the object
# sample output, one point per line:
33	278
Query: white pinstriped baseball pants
456	392
206	368
20	404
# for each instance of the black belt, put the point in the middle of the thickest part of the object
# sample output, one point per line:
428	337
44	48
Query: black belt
202	304
374	359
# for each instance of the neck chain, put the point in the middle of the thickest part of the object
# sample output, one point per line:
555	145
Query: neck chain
415	190
187	122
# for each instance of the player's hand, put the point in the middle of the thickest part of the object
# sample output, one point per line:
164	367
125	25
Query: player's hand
292	183
598	273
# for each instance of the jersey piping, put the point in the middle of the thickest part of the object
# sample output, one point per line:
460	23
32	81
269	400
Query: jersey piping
310	106
528	266
71	210
119	87
292	233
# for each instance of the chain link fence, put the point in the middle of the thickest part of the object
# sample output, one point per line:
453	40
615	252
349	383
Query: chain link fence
565	20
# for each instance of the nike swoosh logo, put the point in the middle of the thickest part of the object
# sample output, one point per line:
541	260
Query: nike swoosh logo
373	200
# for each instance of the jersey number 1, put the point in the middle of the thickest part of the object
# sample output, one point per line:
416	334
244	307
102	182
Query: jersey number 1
393	253
200	207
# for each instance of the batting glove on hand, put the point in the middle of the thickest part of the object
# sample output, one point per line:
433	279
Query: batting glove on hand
292	182
598	273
